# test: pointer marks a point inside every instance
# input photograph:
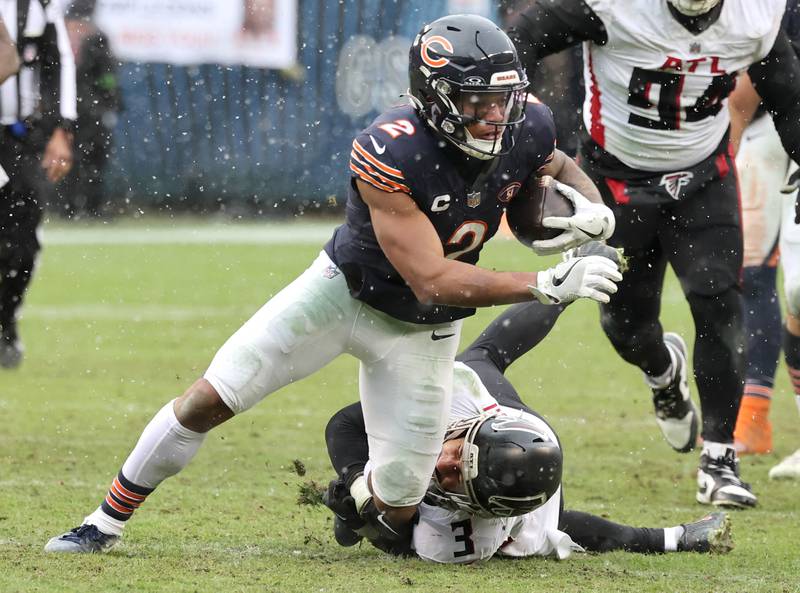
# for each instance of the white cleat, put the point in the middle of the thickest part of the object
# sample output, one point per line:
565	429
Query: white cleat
719	484
84	539
788	469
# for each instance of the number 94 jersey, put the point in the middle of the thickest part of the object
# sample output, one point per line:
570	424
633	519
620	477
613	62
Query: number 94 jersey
463	197
656	94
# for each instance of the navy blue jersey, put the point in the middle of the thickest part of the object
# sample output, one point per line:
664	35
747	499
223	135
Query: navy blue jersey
463	197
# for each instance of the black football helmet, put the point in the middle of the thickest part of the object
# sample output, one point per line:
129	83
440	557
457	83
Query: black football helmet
509	467
460	68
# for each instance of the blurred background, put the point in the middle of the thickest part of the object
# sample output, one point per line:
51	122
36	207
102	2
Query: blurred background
246	106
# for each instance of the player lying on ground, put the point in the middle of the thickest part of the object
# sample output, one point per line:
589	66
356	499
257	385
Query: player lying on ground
496	488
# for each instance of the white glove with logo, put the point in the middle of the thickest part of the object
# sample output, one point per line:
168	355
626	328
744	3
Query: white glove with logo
592	276
591	222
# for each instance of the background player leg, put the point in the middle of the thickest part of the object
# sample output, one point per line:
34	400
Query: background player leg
790	248
20	215
761	164
762	321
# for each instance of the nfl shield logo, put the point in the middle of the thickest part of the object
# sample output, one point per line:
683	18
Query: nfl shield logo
330	272
694	48
473	199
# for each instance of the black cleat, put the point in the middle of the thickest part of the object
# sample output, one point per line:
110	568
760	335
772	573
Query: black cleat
10	352
86	539
711	534
718	482
675	412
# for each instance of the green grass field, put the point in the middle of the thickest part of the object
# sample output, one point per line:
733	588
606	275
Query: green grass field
114	330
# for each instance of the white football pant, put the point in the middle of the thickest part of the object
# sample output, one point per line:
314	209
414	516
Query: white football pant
405	378
767	214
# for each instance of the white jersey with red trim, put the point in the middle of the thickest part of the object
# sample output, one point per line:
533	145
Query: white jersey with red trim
457	537
656	93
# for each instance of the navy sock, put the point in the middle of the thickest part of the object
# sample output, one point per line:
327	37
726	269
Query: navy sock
762	321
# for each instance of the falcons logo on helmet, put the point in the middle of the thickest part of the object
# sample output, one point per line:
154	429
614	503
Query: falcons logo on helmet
674	182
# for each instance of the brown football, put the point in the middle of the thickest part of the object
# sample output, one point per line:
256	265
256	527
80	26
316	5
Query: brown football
536	200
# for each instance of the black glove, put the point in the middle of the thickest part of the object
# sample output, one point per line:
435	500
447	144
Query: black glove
386	537
349	527
347	522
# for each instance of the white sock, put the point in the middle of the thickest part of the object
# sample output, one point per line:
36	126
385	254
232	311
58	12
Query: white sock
164	449
359	490
797	401
671	537
714	450
665	378
106	524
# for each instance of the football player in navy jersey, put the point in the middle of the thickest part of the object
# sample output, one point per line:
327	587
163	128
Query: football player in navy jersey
429	185
657	75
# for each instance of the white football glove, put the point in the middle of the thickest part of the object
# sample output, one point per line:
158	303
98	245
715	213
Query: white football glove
592	276
591	222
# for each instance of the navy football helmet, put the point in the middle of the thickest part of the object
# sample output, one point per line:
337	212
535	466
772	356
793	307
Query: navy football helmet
463	70
509	467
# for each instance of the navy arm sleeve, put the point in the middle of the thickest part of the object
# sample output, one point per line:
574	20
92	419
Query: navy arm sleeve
777	80
346	438
549	26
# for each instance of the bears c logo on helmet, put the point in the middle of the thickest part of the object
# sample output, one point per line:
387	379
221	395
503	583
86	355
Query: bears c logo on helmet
435	62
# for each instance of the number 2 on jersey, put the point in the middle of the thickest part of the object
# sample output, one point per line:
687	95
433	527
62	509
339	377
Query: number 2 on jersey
474	229
398	127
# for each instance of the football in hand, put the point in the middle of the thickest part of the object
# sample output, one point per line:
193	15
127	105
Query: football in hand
537	199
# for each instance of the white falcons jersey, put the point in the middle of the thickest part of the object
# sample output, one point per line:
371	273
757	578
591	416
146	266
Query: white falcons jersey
656	94
455	536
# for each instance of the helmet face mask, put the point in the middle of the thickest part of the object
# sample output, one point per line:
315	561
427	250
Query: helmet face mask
508	467
467	82
693	7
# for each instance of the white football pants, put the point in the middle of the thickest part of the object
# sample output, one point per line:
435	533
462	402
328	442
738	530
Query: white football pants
767	214
405	378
